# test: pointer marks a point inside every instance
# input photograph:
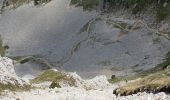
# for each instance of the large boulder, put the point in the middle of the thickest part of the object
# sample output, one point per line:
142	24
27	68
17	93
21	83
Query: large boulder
7	73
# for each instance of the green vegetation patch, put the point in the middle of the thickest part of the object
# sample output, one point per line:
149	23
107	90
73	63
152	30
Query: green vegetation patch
86	4
55	77
14	87
160	7
73	2
2	50
3	47
134	5
43	2
17	3
163	13
14	3
55	84
122	78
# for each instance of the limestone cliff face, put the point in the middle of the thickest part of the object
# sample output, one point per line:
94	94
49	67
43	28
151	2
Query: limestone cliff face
85	42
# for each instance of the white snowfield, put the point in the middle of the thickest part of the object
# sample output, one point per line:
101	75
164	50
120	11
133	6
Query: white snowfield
97	88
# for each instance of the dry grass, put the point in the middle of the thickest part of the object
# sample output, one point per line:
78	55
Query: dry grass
156	82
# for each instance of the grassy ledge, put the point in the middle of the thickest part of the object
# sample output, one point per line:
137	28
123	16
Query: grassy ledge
156	82
55	77
14	87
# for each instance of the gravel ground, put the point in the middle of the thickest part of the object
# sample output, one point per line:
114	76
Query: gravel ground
71	93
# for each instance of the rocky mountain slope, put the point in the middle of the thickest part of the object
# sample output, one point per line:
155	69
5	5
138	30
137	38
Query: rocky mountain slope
97	88
89	43
69	38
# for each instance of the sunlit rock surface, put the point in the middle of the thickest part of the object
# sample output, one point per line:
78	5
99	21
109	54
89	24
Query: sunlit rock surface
7	73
